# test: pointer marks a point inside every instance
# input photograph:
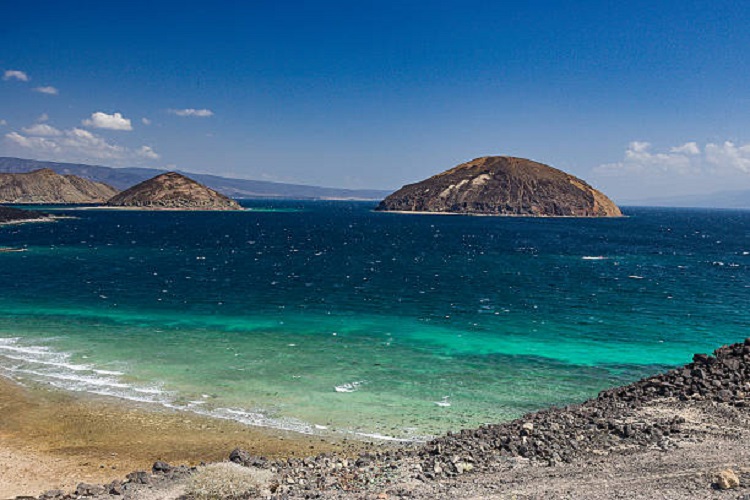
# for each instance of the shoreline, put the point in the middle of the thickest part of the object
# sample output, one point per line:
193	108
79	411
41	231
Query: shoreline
679	434
53	439
46	218
519	216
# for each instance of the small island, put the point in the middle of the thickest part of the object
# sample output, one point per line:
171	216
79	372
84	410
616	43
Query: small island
172	191
10	215
502	185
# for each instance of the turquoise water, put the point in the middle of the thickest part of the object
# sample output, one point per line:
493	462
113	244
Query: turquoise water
328	317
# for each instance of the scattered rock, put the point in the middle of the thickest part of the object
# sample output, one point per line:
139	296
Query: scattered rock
727	479
160	467
139	477
85	489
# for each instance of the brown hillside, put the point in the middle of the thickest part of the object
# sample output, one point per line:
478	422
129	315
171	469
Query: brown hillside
503	185
46	186
173	191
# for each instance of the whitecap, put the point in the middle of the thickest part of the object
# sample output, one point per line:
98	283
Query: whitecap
444	402
349	387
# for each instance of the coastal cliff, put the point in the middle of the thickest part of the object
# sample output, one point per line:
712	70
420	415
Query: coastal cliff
502	185
173	191
46	186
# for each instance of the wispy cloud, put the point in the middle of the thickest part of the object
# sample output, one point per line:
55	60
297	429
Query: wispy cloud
42	129
729	155
3	123
686	159
147	152
14	74
145	121
43	118
49	90
200	113
75	144
111	122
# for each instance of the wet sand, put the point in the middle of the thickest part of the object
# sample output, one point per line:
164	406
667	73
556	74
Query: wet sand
51	439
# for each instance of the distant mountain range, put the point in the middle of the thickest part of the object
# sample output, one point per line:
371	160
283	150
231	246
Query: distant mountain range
721	199
123	178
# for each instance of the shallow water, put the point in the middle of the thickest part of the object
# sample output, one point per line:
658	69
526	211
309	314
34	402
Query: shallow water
328	317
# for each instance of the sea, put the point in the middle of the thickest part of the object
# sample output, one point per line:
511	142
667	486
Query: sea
331	318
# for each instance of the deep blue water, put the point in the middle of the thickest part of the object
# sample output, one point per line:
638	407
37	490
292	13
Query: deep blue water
313	315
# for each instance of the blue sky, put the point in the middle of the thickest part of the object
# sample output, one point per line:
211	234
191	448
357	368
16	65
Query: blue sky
641	99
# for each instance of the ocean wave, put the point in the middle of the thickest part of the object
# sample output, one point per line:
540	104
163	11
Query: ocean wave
349	387
22	362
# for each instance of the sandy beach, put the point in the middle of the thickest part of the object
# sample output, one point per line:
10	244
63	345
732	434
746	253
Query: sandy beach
54	440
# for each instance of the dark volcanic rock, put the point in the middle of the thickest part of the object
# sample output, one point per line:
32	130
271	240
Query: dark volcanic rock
46	186
502	185
8	214
173	191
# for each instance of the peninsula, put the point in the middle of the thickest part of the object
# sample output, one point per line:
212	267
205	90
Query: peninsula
502	185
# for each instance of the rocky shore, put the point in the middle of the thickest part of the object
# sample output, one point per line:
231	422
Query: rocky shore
10	215
679	434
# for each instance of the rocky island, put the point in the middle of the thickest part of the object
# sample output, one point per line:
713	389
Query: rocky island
502	185
10	215
172	191
46	186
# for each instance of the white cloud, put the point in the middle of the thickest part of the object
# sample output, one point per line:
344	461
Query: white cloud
148	152
3	123
646	172
76	144
686	159
145	121
38	144
111	122
14	74
46	90
43	118
729	156
41	129
201	113
689	148
639	158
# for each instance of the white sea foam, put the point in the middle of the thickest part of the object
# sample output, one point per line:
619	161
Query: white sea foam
383	437
21	361
349	387
444	402
44	365
593	257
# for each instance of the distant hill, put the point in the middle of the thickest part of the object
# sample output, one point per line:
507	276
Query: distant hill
721	199
502	185
173	191
47	186
123	178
